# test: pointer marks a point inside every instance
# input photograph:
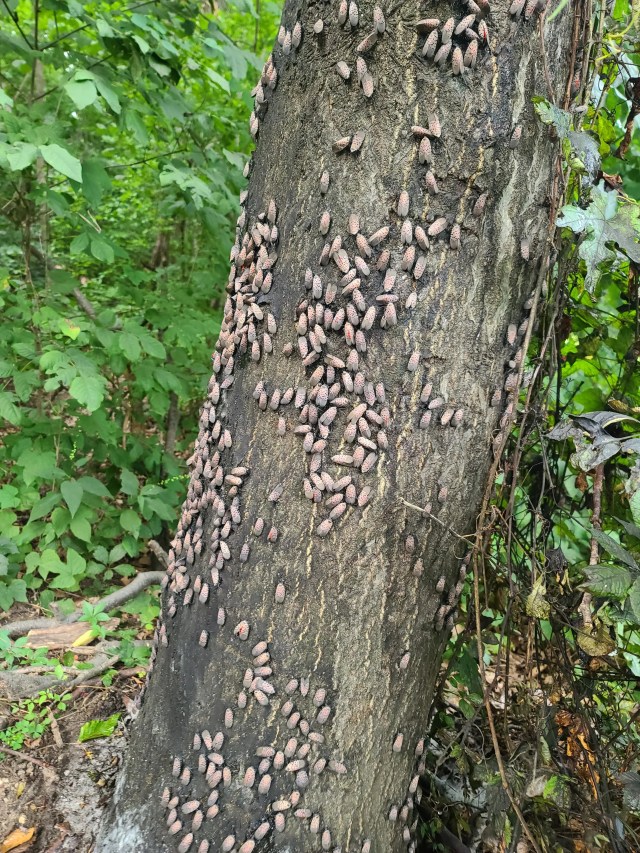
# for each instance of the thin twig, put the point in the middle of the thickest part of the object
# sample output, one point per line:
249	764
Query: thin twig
30	758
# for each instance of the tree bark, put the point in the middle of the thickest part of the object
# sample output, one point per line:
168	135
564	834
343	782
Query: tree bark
360	631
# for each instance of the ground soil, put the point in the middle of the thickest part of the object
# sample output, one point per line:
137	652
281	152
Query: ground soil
64	795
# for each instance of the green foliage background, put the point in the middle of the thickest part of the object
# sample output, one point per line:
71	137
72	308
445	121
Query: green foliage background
123	135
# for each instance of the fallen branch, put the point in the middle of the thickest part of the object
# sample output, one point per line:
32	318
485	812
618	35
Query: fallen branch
109	602
30	758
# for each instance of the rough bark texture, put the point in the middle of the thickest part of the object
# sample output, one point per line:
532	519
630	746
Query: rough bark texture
360	598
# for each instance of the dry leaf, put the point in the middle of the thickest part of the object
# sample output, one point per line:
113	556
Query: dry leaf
17	838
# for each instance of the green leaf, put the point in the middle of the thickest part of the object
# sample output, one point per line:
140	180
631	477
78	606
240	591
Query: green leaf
634	598
8	409
88	391
95	181
94	487
98	728
108	94
130	521
81	528
76	564
69	328
606	220
153	347
21	155
44	506
102	250
82	92
130	345
606	580
550	114
129	482
614	548
219	80
62	161
72	492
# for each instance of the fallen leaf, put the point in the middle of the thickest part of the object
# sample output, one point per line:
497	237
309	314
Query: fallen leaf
16	838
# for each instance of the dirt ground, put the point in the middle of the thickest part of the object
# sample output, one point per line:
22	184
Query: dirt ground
60	787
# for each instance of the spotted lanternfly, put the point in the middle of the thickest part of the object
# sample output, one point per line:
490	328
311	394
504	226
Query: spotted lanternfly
378	236
427	24
421	237
264	784
280	593
248	846
341	144
437	227
457	61
406	232
356	142
383	260
318	26
425	420
296	35
430	181
325	223
367	84
343	70
442	54
367	42
430	45
281	34
323	715
441	584
414	361
447	30
402	208
272	535
424	151
366	846
398	741
530	8
186	843
515	137
393	811
467	22
343	9
483	32
324	182
353	14
378	19
454	237
276	493
470	55
229	842
286	45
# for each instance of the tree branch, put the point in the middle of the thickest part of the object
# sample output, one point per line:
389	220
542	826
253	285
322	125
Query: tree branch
109	602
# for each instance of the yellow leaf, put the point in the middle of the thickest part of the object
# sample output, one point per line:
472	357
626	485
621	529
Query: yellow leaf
537	605
85	639
20	788
16	838
597	643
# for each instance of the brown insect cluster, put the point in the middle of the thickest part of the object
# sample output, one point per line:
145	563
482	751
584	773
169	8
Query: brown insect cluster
340	413
454	41
277	778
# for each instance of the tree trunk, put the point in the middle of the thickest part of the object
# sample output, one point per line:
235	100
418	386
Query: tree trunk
351	595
